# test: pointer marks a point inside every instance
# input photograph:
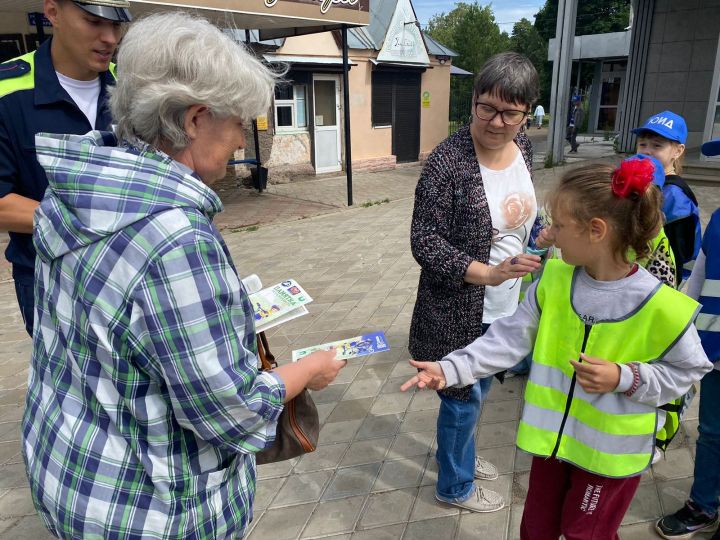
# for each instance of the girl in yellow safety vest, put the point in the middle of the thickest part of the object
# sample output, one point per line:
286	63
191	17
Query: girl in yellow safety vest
610	346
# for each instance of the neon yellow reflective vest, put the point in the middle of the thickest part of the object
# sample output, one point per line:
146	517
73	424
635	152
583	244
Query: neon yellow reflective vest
660	248
27	81
606	434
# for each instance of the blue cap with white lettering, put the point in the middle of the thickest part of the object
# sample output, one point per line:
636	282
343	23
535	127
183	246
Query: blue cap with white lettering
666	124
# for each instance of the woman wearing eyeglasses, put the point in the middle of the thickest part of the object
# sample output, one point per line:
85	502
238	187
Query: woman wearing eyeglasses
474	208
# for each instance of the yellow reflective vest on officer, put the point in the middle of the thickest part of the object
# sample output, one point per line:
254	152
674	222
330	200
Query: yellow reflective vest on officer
607	434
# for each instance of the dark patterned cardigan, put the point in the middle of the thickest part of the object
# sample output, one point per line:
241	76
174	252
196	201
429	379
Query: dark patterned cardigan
451	227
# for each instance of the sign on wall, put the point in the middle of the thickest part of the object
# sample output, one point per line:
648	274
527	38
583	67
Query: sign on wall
403	41
325	5
426	99
32	20
262	123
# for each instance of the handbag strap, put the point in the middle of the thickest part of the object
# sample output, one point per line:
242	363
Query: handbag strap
267	359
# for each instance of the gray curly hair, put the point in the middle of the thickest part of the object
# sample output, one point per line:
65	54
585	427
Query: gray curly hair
170	61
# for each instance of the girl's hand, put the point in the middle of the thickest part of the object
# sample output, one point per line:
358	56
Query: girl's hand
431	376
512	268
545	238
595	375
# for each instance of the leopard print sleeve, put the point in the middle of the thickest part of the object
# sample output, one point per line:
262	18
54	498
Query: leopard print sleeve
660	264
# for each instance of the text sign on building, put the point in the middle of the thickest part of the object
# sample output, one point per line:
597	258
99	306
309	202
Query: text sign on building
403	41
32	19
426	99
325	5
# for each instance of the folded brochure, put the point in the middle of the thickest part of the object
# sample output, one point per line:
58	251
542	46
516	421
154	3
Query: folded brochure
350	347
278	304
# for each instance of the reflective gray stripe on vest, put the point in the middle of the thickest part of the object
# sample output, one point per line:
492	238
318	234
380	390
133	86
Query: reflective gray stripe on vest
609	403
604	442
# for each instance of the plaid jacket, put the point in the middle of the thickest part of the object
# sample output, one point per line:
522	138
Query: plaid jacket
144	405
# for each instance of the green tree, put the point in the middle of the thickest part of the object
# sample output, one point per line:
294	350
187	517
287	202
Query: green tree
526	40
472	32
593	17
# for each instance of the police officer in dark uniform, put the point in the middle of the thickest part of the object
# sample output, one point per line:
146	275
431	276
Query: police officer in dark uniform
60	88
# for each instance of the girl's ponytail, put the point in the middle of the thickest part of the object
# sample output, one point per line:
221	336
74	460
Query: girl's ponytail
633	180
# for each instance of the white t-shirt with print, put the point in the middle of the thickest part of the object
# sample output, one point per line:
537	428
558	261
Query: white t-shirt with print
513	208
85	94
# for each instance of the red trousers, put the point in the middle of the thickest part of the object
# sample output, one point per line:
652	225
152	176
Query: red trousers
563	499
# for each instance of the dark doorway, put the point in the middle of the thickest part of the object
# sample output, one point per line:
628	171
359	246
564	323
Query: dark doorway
396	104
11	45
406	117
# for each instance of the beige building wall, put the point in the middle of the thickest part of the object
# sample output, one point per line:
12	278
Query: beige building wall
372	147
17	23
322	44
434	120
369	144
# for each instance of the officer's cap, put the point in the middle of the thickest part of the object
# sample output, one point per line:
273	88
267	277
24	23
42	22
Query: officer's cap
113	10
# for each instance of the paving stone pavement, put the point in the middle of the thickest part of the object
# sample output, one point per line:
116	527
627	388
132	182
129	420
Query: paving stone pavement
373	474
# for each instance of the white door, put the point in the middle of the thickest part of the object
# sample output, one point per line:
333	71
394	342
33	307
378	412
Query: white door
326	98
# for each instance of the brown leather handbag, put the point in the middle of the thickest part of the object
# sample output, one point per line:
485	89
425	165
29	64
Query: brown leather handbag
298	427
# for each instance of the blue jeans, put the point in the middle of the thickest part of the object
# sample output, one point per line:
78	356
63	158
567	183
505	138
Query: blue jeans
523	366
455	455
705	492
26	300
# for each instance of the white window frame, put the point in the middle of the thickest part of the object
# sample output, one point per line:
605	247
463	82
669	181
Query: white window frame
713	103
293	104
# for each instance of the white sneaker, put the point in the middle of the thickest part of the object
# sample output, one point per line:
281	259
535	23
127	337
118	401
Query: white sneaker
484	470
480	500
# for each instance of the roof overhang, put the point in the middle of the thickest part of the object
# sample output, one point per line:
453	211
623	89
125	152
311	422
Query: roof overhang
597	46
274	18
318	63
459	72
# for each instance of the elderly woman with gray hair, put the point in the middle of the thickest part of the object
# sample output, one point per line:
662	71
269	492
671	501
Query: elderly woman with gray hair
145	406
474	208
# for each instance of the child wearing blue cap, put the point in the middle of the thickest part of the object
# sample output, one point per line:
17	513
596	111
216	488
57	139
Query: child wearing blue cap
663	136
700	512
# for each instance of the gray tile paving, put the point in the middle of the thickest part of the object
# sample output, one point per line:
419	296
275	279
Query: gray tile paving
373	475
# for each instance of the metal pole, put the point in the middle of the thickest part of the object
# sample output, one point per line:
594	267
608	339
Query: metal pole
346	106
256	135
560	83
39	27
577	79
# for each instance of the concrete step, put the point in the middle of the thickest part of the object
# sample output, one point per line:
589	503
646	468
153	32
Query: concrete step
701	173
701	180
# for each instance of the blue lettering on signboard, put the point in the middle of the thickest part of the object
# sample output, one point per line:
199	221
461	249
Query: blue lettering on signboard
31	19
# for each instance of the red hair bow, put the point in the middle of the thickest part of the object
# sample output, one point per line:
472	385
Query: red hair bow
632	178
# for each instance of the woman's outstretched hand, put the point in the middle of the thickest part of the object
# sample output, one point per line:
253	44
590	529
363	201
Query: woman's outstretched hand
512	268
430	376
